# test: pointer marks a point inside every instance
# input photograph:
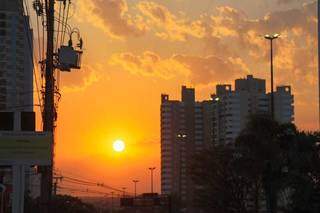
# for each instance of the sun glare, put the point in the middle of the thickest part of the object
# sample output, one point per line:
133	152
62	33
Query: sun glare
119	146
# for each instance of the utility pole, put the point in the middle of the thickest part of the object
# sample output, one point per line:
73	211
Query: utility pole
49	111
151	170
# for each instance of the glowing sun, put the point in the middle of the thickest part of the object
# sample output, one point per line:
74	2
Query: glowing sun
119	146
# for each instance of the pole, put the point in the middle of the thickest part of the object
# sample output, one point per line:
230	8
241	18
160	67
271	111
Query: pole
49	111
112	201
135	187
151	170
319	57
124	191
272	91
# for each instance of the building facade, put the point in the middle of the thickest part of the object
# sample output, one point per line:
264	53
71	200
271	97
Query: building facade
188	126
185	130
232	108
16	79
16	58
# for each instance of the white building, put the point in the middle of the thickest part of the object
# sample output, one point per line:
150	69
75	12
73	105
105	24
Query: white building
233	107
284	108
16	58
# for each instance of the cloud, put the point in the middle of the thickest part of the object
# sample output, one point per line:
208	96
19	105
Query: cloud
198	70
243	37
149	64
80	80
112	16
285	1
205	70
167	25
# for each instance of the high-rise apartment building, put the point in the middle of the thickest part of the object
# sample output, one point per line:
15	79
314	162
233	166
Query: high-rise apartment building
184	126
188	126
232	108
16	76
16	58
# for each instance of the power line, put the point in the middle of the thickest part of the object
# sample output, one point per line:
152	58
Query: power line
57	36
28	25
79	180
87	191
66	22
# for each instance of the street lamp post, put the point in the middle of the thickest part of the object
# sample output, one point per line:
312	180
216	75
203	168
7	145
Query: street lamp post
151	170
124	191
271	38
135	187
112	193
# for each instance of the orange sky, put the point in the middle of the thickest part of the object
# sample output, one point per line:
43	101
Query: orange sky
135	50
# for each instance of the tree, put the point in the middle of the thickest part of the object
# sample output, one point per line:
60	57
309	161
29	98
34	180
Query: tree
260	159
269	163
219	187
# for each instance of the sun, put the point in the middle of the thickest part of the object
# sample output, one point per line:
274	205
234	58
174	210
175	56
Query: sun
119	146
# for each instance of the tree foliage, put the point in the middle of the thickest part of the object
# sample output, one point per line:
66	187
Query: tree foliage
270	166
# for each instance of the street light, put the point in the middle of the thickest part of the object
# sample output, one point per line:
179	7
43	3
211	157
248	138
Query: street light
112	193
124	191
135	187
271	38
151	170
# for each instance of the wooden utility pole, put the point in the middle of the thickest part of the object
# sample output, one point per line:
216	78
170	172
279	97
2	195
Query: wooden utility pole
49	110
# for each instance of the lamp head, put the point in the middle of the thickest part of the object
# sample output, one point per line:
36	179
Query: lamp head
271	37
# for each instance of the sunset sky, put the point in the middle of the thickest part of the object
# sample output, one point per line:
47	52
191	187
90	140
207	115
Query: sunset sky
134	50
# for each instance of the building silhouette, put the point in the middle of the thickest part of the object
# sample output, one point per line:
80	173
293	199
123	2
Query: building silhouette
188	126
16	79
16	58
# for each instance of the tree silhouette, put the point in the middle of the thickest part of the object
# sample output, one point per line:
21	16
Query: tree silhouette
270	166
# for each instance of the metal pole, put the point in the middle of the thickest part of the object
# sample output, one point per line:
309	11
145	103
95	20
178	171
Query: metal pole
49	111
152	181
124	191
272	92
112	201
135	187
151	170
